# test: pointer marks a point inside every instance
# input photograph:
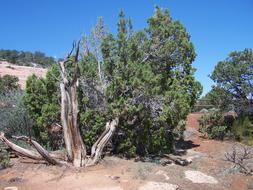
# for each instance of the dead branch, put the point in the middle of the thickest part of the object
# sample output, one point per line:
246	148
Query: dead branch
19	150
98	147
238	157
177	160
75	147
50	158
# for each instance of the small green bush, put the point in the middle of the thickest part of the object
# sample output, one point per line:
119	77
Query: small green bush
243	130
215	125
4	157
218	132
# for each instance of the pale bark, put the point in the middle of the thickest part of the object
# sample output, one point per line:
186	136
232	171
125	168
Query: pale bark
75	147
19	150
42	153
69	110
98	147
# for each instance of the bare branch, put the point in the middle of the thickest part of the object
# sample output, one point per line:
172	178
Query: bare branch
44	153
19	150
238	156
71	51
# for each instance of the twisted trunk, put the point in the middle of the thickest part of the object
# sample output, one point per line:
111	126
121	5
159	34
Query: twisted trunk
75	147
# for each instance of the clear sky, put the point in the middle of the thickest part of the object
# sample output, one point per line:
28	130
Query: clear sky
217	27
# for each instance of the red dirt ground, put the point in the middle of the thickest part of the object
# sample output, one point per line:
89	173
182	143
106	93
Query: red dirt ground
119	174
192	120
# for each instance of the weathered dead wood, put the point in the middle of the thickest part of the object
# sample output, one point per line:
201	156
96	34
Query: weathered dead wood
43	152
75	147
19	150
98	147
239	156
177	160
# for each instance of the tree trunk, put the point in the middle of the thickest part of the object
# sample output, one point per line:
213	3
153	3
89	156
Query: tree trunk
75	147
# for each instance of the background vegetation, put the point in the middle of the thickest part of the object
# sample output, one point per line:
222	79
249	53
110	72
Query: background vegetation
26	58
233	91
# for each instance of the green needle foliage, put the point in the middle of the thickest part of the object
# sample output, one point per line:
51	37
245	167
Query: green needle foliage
145	76
234	80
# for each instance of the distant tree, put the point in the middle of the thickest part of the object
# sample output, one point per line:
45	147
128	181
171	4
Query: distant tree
26	58
234	80
8	83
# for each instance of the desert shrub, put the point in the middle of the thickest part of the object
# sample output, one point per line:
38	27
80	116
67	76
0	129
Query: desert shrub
4	157
215	125
13	115
218	132
8	84
179	130
243	130
26	58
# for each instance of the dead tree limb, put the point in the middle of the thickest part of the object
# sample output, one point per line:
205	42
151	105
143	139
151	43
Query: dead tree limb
99	145
75	147
177	160
43	152
238	157
19	150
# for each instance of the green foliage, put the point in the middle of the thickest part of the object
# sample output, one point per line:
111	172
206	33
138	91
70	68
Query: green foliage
146	78
234	81
218	132
217	126
42	99
4	157
161	142
13	115
217	98
93	126
14	121
8	84
26	58
243	130
156	64
214	125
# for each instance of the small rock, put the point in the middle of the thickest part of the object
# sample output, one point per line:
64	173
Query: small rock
11	188
199	177
114	177
165	162
189	160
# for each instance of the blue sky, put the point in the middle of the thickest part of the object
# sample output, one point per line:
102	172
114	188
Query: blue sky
217	27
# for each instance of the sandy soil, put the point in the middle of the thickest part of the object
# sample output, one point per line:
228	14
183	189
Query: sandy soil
22	72
118	174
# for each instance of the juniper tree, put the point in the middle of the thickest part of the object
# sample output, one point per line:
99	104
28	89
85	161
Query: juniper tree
149	88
